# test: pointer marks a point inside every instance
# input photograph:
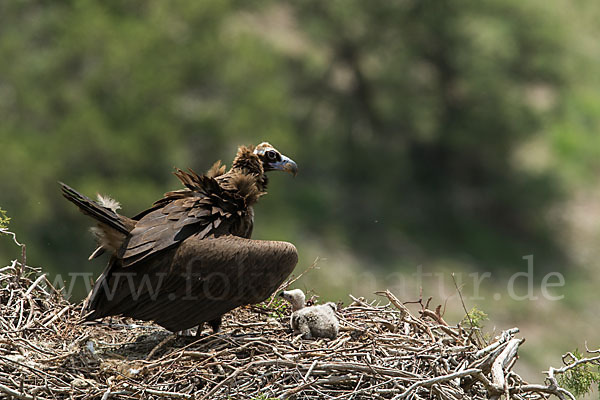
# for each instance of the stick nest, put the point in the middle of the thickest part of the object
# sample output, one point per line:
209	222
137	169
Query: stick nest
383	352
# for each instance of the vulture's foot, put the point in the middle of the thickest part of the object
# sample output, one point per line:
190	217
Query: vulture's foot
215	325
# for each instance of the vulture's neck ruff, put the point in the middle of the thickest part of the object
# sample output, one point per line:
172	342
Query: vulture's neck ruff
249	164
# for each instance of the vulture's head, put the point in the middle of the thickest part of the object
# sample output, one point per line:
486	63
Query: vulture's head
295	297
273	160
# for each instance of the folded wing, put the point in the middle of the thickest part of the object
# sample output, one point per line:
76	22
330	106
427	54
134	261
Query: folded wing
197	281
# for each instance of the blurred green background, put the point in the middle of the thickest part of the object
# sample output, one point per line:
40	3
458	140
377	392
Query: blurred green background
432	137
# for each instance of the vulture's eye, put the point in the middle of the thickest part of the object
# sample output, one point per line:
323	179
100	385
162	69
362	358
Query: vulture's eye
271	155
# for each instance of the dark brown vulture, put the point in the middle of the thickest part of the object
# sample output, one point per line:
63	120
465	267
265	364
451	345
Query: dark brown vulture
189	258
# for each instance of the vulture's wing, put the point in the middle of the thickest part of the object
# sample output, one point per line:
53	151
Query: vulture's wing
199	210
198	281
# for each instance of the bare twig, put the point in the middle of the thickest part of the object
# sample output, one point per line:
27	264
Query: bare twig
509	352
16	394
437	379
21	245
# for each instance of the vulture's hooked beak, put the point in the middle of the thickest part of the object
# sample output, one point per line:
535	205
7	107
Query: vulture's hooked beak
286	164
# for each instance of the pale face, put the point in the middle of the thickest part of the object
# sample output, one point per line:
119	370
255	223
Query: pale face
273	160
295	297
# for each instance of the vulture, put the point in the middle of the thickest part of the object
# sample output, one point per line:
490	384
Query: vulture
314	321
189	259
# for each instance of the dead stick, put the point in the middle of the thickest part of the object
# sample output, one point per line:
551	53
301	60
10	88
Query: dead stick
509	352
55	316
163	393
18	395
506	335
34	284
437	379
557	391
406	312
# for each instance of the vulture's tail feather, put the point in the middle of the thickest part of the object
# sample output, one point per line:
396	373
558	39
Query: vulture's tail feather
89	207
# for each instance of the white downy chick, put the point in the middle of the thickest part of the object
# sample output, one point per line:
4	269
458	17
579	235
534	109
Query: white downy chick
311	322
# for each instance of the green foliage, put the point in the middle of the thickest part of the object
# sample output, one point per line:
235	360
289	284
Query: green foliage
580	379
278	306
4	219
474	319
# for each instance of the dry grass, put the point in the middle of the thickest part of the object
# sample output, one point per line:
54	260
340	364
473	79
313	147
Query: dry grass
383	352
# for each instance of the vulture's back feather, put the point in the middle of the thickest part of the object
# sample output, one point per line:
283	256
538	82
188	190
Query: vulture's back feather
204	208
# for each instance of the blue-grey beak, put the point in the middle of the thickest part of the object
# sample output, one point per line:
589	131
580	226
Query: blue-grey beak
286	164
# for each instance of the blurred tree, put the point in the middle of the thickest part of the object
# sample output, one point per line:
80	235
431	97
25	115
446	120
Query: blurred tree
427	102
404	116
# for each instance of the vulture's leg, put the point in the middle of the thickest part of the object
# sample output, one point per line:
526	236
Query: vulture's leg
215	324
